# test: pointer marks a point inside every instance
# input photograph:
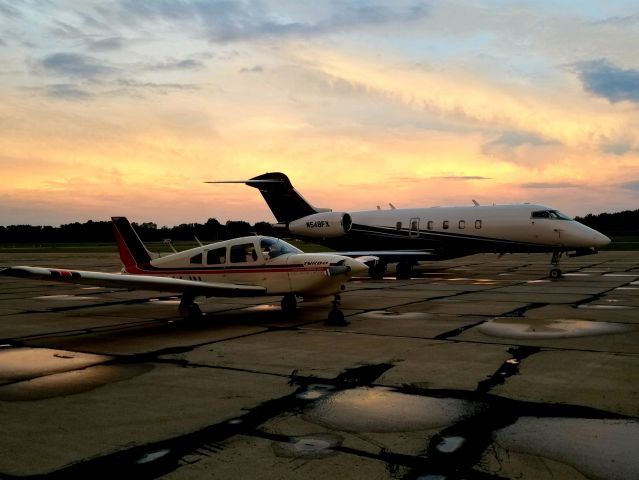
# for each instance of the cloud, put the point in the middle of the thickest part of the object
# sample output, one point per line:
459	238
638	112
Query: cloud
516	139
604	79
226	21
75	65
255	69
631	185
106	44
463	177
620	148
549	185
66	91
173	64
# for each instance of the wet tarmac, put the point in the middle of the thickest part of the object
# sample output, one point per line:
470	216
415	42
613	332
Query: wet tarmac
476	368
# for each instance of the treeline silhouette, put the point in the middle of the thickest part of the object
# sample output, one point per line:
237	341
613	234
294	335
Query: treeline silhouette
616	224
102	232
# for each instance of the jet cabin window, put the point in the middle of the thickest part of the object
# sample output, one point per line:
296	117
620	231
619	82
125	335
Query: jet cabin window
445	224
551	214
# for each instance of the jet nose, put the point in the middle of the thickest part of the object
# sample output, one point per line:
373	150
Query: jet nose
600	240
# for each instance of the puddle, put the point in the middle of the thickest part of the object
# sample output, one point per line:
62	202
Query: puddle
528	328
599	449
394	315
64	297
170	301
378	409
319	445
264	308
24	363
450	444
153	456
69	383
315	391
606	307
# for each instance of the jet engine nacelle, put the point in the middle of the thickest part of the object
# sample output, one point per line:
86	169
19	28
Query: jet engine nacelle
322	225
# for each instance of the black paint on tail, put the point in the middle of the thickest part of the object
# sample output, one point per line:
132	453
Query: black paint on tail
284	201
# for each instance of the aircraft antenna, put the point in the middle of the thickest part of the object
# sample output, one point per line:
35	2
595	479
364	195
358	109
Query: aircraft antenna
167	241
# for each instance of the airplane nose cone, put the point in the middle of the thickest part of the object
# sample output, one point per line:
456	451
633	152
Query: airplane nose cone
357	267
601	240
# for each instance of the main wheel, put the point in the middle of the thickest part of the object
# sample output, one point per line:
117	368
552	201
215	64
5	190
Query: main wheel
377	272
555	273
336	317
403	271
289	303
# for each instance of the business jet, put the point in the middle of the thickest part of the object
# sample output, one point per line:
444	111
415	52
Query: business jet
410	235
242	267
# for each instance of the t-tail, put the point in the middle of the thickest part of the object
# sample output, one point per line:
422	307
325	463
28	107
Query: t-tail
133	253
285	202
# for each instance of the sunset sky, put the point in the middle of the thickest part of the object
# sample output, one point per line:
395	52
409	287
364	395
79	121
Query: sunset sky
127	107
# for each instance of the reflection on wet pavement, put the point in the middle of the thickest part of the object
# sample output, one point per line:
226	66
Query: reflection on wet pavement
378	409
600	449
68	383
522	328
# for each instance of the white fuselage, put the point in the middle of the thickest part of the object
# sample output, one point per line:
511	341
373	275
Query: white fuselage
246	261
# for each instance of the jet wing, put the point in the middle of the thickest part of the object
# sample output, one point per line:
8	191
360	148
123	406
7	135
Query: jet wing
137	282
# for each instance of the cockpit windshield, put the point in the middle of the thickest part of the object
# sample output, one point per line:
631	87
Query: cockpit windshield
274	247
551	214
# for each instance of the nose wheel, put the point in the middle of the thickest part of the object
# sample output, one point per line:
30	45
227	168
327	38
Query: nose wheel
336	316
555	271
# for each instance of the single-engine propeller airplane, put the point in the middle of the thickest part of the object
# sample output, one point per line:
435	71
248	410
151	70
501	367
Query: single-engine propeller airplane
242	267
410	235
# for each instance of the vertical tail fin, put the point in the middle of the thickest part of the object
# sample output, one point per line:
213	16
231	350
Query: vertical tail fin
133	253
284	201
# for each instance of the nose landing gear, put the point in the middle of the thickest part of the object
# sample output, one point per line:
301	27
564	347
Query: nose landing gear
336	316
555	271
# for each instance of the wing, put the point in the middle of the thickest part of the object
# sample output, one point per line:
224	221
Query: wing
390	256
137	282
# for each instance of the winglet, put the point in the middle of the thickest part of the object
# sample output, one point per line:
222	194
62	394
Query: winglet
133	253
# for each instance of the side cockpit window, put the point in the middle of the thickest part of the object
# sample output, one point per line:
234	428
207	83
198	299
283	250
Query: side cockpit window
243	253
196	259
216	256
551	214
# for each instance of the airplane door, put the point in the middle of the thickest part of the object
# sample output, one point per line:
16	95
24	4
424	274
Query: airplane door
413	231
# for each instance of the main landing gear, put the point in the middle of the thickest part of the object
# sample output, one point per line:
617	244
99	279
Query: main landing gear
403	271
188	308
555	271
335	315
289	303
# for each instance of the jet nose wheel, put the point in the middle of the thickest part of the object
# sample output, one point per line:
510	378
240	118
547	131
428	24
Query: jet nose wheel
555	273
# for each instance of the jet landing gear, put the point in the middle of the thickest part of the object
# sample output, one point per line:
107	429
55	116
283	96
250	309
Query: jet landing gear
336	316
555	271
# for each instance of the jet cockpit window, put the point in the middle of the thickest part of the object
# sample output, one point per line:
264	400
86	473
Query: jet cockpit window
551	214
273	247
